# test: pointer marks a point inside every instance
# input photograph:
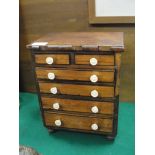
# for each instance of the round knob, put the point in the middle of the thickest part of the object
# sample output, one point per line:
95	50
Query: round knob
51	76
94	126
54	90
56	106
49	60
94	93
58	122
93	61
94	109
93	78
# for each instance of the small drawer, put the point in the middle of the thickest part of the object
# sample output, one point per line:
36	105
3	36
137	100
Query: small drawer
94	60
93	107
75	74
52	59
76	89
80	122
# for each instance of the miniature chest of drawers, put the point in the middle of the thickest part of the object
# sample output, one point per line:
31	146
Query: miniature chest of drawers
77	79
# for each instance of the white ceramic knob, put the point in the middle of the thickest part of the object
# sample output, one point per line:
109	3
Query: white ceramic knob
51	76
49	60
54	90
94	126
56	106
94	93
93	61
94	109
93	78
58	122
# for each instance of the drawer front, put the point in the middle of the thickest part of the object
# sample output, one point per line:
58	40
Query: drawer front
79	75
78	122
78	105
50	59
72	89
94	60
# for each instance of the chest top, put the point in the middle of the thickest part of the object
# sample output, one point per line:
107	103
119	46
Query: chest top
79	41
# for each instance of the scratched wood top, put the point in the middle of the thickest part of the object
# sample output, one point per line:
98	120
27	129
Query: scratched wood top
97	41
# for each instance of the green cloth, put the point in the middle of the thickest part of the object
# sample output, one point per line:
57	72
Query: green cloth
33	133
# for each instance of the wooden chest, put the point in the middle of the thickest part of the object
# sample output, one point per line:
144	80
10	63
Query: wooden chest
77	79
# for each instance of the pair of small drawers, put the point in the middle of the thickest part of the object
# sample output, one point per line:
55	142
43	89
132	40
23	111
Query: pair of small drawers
71	88
79	59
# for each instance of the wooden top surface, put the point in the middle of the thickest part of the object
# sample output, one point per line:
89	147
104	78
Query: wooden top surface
101	41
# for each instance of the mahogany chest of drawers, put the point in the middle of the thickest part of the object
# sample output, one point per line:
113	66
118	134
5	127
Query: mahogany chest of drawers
77	79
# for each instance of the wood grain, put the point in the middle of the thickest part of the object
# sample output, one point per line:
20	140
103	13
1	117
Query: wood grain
75	74
78	105
74	66
102	59
78	122
81	40
118	64
72	89
58	58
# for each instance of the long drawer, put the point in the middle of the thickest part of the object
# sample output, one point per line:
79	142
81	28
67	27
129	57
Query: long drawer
76	89
75	74
77	105
81	122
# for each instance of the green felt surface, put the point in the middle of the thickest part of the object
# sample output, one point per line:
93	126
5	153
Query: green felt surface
33	133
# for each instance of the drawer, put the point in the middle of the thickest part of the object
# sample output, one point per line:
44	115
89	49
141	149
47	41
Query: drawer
75	74
62	59
76	89
77	105
78	122
94	60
